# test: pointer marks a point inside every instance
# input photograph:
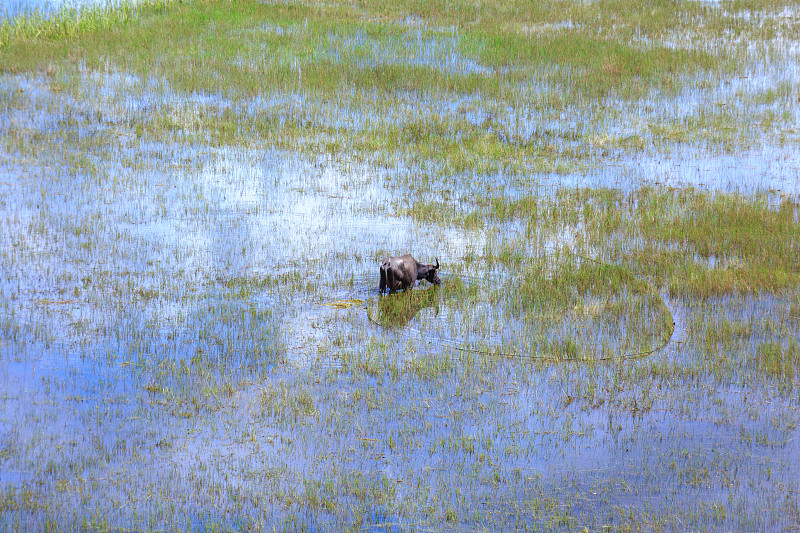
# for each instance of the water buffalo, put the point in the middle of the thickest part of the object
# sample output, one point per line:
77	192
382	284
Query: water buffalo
403	271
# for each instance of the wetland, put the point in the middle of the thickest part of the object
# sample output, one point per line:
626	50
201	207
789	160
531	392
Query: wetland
195	198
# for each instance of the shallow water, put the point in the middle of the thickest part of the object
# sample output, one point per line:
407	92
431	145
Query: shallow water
13	8
172	352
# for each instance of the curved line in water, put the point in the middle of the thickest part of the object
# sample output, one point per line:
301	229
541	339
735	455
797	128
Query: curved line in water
499	353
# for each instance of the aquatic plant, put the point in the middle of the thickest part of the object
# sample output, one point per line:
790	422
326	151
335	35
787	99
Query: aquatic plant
195	198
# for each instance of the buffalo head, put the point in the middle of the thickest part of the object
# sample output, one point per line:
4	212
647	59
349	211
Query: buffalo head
433	273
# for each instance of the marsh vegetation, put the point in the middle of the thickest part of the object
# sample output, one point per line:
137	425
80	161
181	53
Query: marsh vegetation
195	198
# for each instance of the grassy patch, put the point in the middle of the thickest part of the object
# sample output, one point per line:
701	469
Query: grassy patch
284	76
697	243
329	50
399	309
197	195
68	23
779	360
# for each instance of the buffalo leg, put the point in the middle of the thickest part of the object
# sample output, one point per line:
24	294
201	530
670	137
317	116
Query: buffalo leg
382	283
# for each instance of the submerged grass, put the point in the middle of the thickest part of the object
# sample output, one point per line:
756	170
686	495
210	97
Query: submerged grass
194	229
340	80
782	362
329	51
68	22
745	244
694	242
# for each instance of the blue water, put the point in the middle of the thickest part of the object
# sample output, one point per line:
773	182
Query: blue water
167	360
14	8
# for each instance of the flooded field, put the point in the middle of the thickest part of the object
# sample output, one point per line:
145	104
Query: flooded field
195	201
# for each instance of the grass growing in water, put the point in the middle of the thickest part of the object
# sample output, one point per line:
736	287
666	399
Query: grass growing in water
695	243
175	315
327	52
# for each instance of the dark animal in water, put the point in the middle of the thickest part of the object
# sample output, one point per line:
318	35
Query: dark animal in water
403	271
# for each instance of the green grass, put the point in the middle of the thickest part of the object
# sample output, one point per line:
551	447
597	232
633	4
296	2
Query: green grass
367	60
327	50
258	387
560	282
396	310
696	243
779	360
68	23
729	227
286	403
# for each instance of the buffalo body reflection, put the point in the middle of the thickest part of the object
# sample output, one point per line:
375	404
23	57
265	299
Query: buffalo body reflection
396	310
